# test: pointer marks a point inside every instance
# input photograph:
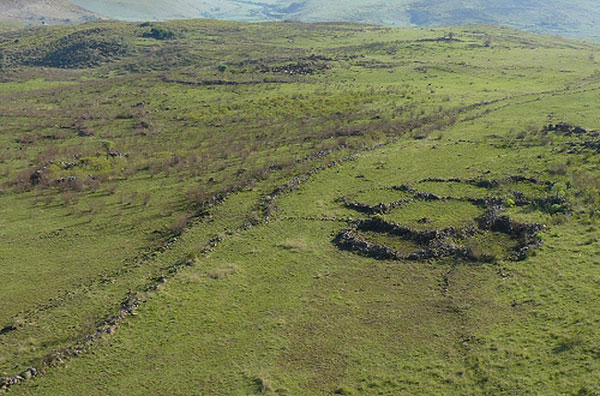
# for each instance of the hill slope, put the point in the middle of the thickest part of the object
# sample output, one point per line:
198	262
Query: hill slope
37	12
578	18
220	208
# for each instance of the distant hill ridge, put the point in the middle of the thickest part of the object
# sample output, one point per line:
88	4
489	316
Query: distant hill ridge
40	12
570	18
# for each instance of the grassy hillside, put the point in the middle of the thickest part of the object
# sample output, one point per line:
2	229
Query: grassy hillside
6	26
138	11
566	18
39	12
205	207
560	17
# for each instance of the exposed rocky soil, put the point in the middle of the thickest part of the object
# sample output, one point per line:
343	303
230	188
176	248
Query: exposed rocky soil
310	65
582	140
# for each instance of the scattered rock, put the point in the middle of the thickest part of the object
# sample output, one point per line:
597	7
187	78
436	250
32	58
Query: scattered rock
434	243
428	196
566	128
439	243
309	66
8	329
29	373
37	177
381	208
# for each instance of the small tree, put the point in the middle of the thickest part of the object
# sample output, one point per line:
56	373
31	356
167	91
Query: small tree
558	189
107	145
178	225
160	33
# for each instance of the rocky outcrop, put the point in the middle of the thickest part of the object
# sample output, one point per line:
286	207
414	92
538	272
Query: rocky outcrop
436	244
439	243
490	183
565	128
380	208
433	244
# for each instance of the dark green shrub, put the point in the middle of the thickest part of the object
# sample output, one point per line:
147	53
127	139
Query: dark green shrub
81	49
160	33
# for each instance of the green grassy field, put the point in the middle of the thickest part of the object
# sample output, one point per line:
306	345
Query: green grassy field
149	165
